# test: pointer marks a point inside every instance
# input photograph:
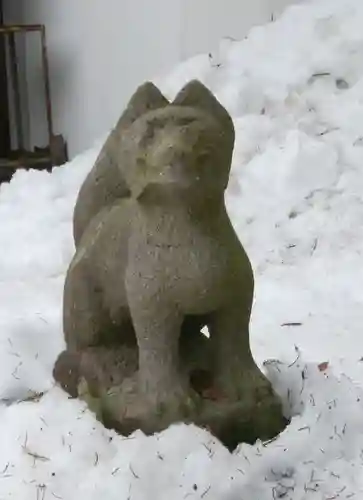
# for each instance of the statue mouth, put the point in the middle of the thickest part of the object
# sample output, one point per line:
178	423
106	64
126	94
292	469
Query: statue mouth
167	185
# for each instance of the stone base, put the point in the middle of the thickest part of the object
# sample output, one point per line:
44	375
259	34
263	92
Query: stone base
107	379
123	409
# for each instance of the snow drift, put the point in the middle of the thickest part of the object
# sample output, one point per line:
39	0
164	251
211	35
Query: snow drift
295	90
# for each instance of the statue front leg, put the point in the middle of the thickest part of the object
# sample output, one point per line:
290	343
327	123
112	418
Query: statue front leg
235	372
162	383
161	380
249	407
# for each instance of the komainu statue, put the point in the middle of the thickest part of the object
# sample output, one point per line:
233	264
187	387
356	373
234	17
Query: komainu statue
156	260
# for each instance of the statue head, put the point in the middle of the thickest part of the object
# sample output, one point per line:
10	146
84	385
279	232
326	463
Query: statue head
183	148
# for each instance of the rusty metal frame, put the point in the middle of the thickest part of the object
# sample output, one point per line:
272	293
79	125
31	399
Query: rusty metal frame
9	31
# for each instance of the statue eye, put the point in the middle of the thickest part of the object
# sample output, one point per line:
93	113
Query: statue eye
141	161
148	137
184	122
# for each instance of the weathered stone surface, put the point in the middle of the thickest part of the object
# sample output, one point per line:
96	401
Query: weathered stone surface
105	183
155	266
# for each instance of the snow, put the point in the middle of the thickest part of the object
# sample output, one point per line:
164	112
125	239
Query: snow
295	90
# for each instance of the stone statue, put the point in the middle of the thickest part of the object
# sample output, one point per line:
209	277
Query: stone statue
157	259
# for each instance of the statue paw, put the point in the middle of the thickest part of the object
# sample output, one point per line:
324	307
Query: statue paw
178	405
126	408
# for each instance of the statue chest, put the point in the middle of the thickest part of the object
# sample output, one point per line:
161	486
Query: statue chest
192	276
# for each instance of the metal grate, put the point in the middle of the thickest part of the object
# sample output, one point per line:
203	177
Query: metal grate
56	152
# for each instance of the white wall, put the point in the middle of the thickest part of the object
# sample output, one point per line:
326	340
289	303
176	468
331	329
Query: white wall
97	56
99	51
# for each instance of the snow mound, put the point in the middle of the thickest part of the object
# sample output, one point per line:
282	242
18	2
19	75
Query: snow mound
295	91
55	448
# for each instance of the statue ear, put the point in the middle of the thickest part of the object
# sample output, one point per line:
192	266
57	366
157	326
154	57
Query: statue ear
197	95
146	98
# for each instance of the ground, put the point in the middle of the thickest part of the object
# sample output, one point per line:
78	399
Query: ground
295	91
